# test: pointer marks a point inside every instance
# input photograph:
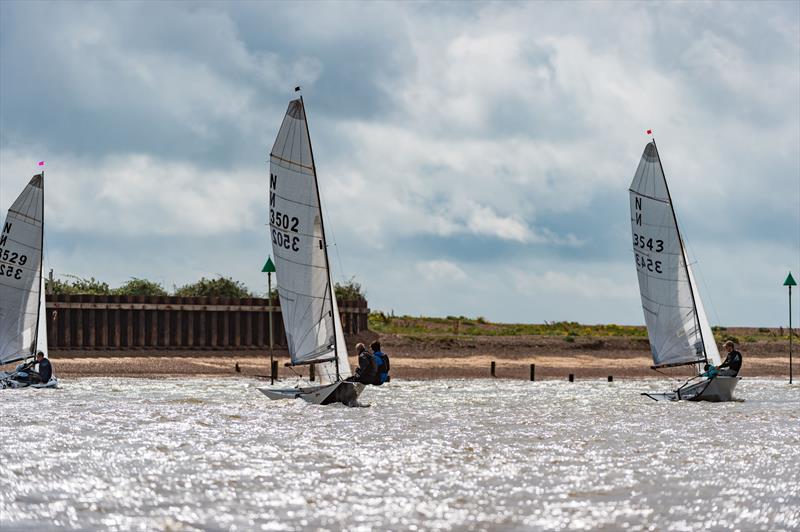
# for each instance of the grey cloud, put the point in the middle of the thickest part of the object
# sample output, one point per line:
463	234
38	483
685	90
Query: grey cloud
421	114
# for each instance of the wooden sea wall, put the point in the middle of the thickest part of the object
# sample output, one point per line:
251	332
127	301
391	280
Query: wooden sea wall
196	323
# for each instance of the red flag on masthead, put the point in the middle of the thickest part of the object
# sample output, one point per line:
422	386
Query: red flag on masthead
649	131
41	163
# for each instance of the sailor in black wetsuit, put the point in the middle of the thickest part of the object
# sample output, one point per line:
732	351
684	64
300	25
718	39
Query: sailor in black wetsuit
27	373
733	362
367	369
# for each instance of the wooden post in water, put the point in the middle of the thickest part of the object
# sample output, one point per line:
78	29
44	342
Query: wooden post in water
274	373
493	368
571	377
533	372
610	378
311	372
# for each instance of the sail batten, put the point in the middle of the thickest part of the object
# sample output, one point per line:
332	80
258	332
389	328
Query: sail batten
677	326
308	304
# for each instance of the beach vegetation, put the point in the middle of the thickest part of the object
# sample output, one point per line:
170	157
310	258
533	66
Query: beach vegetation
349	290
140	287
219	287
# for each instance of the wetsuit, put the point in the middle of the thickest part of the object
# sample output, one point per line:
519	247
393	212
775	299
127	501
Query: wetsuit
732	364
45	370
365	372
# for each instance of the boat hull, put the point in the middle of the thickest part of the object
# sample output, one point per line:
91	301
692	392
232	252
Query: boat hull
717	390
338	392
7	381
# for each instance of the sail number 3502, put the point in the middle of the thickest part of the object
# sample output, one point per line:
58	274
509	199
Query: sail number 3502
282	222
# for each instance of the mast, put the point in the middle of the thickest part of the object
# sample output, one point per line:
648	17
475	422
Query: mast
324	243
41	271
683	255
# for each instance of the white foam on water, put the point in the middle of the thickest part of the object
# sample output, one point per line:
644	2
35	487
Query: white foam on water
186	454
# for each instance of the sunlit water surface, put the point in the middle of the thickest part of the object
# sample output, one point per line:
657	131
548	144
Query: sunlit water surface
474	454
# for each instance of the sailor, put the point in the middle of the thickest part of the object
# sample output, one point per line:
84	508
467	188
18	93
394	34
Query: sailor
365	372
382	362
26	372
733	362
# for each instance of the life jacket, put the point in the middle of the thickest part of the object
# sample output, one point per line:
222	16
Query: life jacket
382	361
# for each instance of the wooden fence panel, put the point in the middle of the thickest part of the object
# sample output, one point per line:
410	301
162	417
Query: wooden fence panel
138	322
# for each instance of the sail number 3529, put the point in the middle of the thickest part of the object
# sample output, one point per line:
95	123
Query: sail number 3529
11	258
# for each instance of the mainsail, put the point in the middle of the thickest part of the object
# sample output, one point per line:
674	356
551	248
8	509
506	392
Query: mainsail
676	321
21	286
308	303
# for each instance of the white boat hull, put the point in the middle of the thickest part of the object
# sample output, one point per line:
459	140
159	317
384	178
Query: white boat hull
717	390
338	392
6	381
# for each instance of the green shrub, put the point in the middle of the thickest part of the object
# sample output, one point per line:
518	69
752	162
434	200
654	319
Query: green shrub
219	287
140	287
78	285
349	290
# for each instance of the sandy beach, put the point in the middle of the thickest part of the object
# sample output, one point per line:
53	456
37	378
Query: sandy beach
432	357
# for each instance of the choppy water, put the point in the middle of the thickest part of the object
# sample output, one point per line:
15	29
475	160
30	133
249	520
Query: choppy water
480	454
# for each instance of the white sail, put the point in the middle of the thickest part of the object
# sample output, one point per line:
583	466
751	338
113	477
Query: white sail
20	273
308	305
41	334
676	323
712	352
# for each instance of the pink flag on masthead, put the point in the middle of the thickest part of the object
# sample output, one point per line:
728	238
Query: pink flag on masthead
41	163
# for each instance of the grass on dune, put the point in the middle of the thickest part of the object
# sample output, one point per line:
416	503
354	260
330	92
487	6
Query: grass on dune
381	322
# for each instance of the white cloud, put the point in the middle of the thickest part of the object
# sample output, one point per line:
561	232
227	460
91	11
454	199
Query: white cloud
138	195
440	271
493	127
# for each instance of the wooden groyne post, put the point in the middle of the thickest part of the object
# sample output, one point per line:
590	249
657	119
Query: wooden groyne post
571	377
533	372
493	368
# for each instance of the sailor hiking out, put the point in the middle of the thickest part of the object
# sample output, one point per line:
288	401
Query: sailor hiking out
31	374
382	363
733	362
367	368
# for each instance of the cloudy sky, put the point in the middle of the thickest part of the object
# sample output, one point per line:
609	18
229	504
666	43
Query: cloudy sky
474	158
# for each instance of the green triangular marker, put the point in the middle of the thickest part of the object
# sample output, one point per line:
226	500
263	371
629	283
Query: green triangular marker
790	281
269	267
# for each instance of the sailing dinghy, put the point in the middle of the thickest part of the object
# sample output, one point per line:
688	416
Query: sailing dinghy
308	302
677	326
23	327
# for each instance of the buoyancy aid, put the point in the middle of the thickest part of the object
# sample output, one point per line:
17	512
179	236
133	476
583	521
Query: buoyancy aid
382	362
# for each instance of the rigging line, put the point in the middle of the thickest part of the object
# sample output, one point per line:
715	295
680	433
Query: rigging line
703	279
324	205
